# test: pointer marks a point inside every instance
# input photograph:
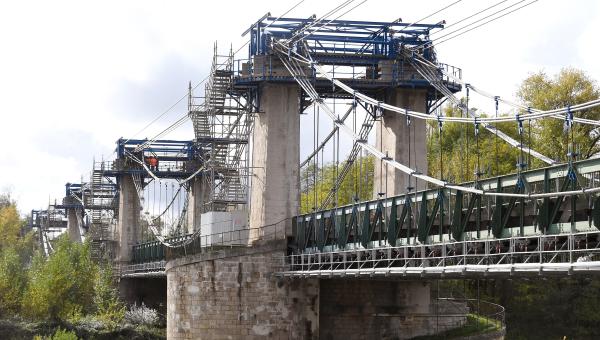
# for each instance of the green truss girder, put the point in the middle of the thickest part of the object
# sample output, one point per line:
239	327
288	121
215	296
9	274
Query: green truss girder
389	219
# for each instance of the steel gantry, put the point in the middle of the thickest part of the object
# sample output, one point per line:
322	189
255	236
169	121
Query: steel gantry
47	224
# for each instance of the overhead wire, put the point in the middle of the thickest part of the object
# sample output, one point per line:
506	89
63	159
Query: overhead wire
297	73
292	39
430	15
467	18
336	18
484	23
183	118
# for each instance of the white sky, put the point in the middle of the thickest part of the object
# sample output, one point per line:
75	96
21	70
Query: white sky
77	75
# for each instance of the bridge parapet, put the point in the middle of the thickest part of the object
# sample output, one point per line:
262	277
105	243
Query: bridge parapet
533	208
179	246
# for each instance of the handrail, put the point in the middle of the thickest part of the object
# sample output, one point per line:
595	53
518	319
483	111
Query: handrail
195	243
541	254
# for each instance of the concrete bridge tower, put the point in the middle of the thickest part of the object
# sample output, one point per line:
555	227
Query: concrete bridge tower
235	292
401	139
128	223
274	194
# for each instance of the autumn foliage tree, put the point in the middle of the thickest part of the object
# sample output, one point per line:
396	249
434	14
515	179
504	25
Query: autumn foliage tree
569	87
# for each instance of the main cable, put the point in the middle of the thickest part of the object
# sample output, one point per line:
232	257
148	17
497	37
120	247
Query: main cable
430	15
468	17
201	82
310	90
485	23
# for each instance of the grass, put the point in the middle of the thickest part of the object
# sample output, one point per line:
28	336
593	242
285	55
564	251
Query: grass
476	324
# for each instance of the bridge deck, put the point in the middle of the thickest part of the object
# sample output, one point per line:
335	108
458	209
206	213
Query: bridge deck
520	256
492	236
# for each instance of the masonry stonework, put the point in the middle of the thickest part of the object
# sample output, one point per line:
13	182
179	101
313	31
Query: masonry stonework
234	294
366	309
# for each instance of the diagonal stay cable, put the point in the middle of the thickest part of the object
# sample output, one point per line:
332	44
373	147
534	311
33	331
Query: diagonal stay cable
378	154
436	82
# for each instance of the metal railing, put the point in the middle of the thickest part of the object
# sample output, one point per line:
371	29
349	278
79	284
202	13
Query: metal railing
454	313
404	219
156	268
537	255
197	243
247	70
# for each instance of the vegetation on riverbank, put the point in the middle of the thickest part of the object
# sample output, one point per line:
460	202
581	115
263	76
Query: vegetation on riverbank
66	290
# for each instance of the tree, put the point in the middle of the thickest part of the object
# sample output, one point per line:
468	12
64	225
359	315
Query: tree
496	157
13	280
106	296
318	182
61	286
10	225
15	253
461	149
568	87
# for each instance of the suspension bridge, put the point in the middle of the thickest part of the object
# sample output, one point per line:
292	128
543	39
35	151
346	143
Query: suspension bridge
218	216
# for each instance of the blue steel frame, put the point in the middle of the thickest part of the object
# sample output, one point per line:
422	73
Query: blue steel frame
357	45
180	150
379	40
72	188
166	151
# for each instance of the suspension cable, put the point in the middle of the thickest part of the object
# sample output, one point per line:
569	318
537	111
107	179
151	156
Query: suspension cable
309	89
430	15
430	42
468	17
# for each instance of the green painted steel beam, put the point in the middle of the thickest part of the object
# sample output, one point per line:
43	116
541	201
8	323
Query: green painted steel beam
490	184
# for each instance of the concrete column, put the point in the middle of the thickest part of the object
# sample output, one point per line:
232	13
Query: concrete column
393	135
274	194
73	225
197	197
128	223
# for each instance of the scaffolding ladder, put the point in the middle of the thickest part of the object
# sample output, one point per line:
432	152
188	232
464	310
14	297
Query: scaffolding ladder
222	126
102	203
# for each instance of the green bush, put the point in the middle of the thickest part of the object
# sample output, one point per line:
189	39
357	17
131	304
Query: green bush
109	308
62	286
61	334
12	281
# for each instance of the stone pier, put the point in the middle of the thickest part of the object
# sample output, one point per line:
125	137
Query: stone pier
234	294
393	136
274	194
197	196
73	224
128	223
